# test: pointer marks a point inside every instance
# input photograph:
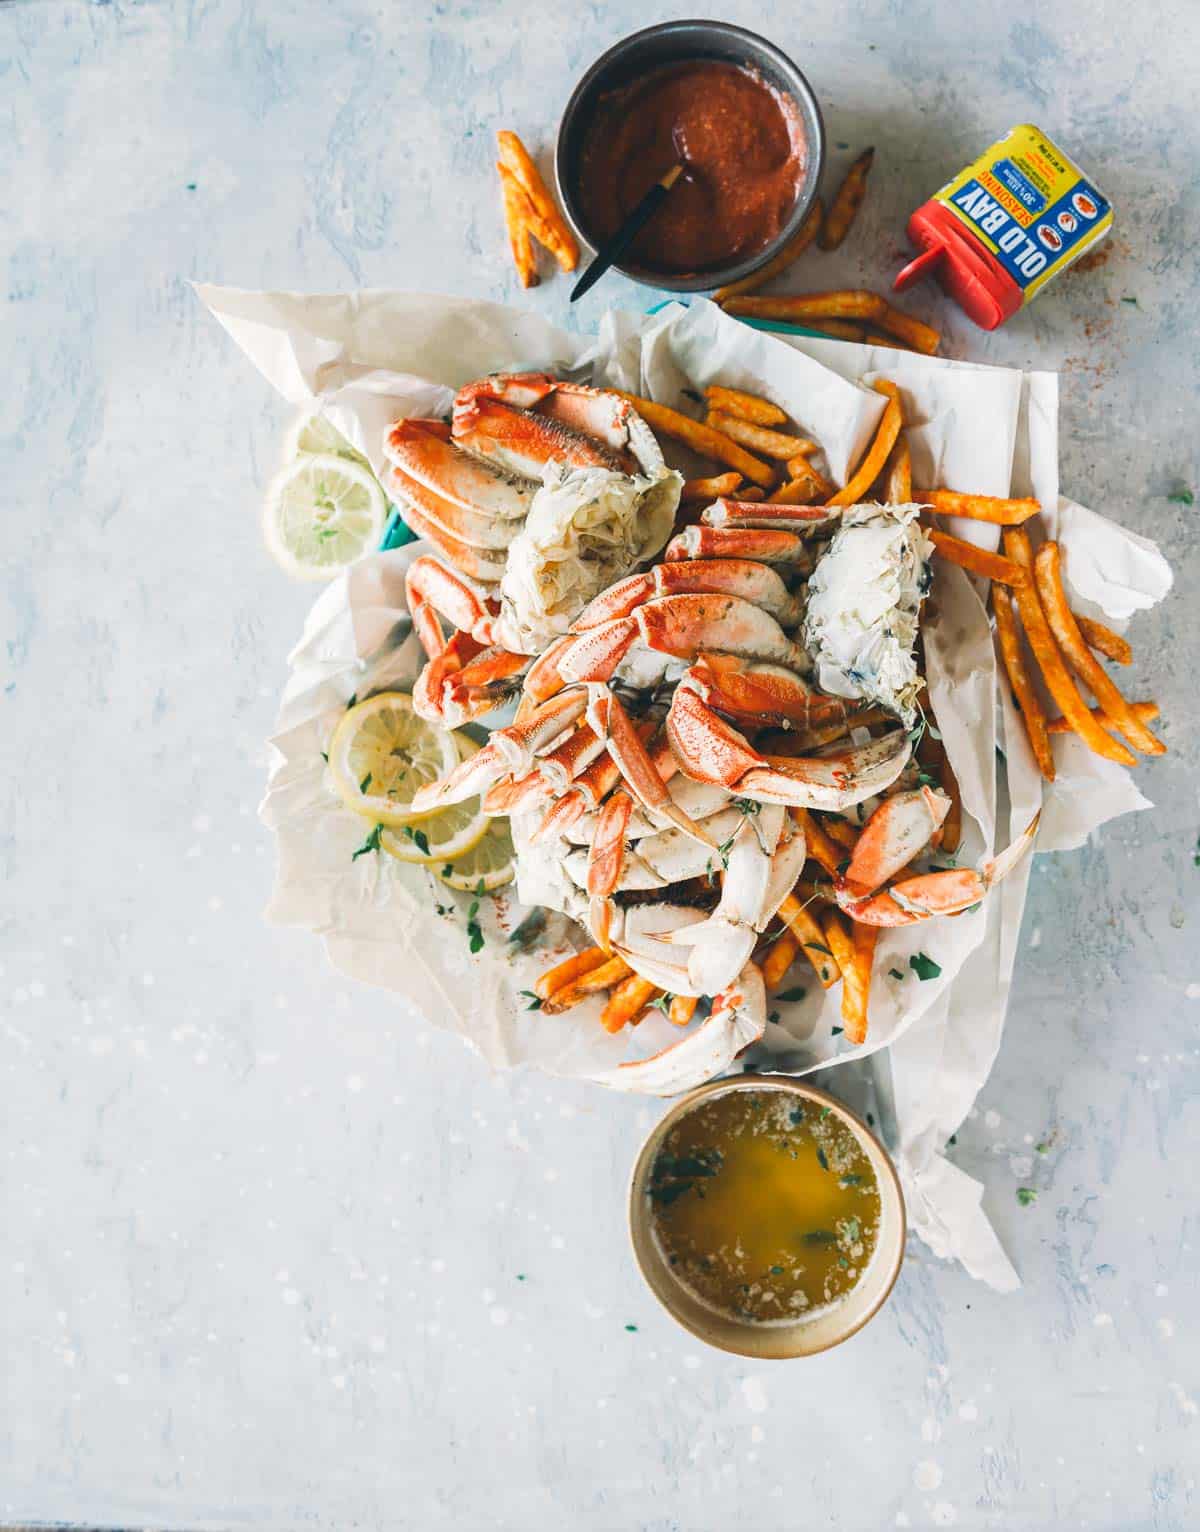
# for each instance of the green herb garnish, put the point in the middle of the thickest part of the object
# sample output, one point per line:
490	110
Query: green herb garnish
631	1328
535	1000
1181	497
419	839
774	1016
365	783
822	1158
1132	301
1026	1195
923	966
896	974
819	1237
371	843
663	1003
785	997
836	1031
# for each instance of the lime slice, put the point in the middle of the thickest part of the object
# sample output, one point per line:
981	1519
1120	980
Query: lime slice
322	513
382	752
491	862
315	434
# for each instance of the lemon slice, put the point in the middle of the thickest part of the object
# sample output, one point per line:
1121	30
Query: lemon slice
382	752
435	842
322	513
491	862
313	433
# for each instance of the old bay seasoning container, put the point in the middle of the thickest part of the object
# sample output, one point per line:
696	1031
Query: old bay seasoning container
1007	225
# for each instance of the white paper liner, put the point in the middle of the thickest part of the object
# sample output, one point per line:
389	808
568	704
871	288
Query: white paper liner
365	359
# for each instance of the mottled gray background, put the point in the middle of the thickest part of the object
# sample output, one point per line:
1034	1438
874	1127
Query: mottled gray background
274	1253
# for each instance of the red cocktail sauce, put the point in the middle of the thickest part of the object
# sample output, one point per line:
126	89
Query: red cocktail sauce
744	152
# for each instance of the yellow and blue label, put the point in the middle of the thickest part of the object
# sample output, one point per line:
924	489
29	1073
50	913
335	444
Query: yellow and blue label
1030	205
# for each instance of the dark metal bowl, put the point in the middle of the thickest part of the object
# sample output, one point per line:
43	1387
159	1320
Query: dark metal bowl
675	42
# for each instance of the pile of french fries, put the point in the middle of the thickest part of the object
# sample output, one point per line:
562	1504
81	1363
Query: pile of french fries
1027	594
530	212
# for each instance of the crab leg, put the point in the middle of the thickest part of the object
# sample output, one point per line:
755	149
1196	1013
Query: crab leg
764	515
430	587
738	1018
935	893
475	562
465	681
607	856
592	786
551	774
509	751
753	582
710	750
637	766
766	545
758	694
422	451
478	531
899	829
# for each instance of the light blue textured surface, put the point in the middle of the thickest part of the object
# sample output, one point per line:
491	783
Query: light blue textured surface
273	1252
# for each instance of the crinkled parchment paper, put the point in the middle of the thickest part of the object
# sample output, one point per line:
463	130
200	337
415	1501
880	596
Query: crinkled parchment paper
366	358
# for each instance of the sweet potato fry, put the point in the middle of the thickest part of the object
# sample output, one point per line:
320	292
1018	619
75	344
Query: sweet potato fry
712	488
931	754
805	928
897	475
1147	712
681	1010
808	488
821	848
628	1000
840	830
915	335
1005	513
517	211
550	227
778	958
977	561
837	939
1050	660
840	303
795	247
752	495
1024	692
849	198
840	329
610	972
856	986
871	466
1047	568
702	438
878	338
770	443
734	401
571	968
1097	636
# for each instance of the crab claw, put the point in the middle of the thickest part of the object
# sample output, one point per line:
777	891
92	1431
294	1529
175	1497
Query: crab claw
766	545
751	581
806	520
759	694
936	893
738	1018
642	776
899	829
522	421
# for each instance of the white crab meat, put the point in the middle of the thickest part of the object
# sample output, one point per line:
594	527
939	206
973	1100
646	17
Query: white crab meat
864	601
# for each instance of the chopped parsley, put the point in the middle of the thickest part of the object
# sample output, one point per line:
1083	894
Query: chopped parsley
923	966
774	1016
352	701
746	806
535	1000
1181	497
1026	1195
819	1237
371	843
822	1158
848	1181
1132	301
1043	1147
896	974
325	757
674	1175
520	1276
662	1003
631	1328
785	997
531	927
419	839
796	1116
836	1031
365	783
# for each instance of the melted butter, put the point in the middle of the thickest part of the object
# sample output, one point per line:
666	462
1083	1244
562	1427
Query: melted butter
764	1205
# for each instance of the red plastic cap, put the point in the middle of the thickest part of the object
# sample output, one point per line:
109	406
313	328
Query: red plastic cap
966	268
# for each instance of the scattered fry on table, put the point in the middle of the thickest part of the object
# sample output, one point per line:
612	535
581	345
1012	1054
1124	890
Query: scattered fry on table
807	931
629	999
847	200
550	228
681	1010
1101	638
1024	691
778	958
1147	712
795	247
712	488
517	210
856	982
774	444
897	475
993	508
843	303
569	969
885	439
977	561
702	438
735	401
1050	660
1047	568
